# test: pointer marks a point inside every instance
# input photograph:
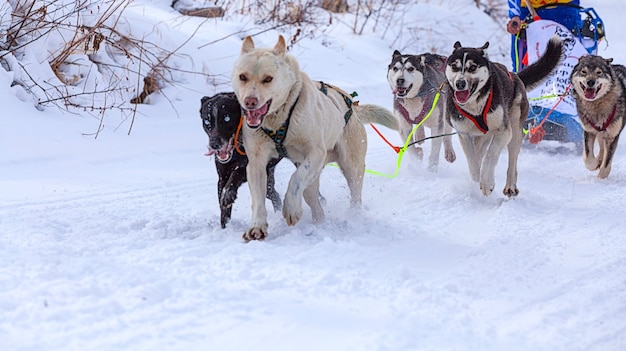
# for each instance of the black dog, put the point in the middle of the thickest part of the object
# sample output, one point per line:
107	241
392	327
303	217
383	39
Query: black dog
221	115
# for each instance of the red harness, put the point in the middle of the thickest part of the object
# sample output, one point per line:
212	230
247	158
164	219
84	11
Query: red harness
605	124
479	121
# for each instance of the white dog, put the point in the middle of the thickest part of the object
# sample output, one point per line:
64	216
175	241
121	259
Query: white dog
311	123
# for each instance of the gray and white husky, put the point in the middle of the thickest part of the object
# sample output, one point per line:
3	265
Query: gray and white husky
414	81
600	94
487	106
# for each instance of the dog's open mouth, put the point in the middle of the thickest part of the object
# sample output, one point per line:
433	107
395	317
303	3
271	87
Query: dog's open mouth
254	118
402	91
462	96
590	93
225	154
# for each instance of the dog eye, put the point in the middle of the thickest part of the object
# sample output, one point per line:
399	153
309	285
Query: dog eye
583	71
243	78
599	72
395	69
410	69
206	122
267	79
472	68
227	118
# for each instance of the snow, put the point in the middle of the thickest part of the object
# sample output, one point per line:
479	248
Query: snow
114	243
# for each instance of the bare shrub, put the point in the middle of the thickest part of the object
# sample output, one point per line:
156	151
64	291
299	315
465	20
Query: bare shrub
96	62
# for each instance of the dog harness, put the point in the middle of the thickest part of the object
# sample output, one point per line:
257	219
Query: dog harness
429	98
279	135
479	121
606	123
347	99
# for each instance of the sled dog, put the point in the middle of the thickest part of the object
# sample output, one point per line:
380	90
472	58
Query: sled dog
487	106
600	95
312	123
221	116
414	82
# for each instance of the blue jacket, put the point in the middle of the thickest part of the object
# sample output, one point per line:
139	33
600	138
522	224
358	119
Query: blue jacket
565	15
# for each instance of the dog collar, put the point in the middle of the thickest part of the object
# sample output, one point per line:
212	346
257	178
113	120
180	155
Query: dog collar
605	124
479	121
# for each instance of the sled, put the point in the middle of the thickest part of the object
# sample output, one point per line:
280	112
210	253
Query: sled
552	114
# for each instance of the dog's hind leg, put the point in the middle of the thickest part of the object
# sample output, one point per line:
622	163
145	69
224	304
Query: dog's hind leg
271	192
467	144
351	161
312	198
591	161
609	151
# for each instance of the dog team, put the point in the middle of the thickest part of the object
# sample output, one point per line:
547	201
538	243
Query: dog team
276	111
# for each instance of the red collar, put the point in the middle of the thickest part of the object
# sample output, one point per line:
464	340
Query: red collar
479	121
605	124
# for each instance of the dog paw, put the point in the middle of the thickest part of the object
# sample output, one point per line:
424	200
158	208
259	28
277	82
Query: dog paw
450	156
592	163
510	191
255	233
604	172
292	210
486	189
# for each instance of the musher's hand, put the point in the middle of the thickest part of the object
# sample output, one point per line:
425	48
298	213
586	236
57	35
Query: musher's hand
514	25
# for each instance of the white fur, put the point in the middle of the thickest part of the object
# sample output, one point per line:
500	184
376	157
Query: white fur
317	132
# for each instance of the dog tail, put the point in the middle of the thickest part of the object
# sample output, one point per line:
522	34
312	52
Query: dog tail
534	74
370	113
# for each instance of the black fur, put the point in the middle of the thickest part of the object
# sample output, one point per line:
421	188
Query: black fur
534	74
220	115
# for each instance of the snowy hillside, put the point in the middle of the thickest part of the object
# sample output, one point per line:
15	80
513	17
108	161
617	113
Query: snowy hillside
114	242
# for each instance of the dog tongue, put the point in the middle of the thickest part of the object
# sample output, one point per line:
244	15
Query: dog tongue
255	117
462	96
590	93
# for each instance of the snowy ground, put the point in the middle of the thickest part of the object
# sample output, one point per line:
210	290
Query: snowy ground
114	243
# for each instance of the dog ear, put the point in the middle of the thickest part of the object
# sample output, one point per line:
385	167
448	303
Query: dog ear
457	45
247	46
204	99
609	60
280	48
396	53
485	46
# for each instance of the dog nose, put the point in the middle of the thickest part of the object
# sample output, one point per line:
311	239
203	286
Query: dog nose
215	144
591	82
461	84
400	81
251	102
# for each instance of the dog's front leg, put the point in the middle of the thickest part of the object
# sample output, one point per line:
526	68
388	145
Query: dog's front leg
609	150
305	175
591	161
488	169
257	182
